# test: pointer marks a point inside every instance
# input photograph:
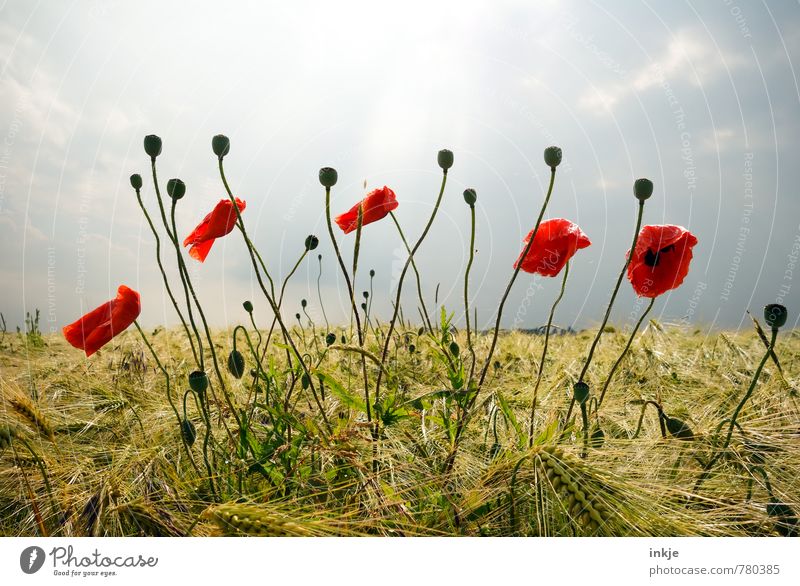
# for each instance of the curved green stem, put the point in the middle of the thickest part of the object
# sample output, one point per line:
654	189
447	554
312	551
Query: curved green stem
544	354
466	293
624	352
425	315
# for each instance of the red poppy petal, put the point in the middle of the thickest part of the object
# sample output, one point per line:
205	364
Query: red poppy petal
200	250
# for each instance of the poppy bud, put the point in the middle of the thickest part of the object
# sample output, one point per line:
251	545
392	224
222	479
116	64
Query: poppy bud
136	181
297	316
330	339
236	363
372	273
366	294
470	196
152	145
344	340
597	436
303	303
642	189
305	382
775	315
580	391
176	188
411	348
188	432
678	429
364	306
198	381
328	176
552	156
221	145
248	306
454	349
445	159
311	242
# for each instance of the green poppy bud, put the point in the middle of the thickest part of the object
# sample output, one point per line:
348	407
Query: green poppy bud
328	176
176	188
552	156
188	432
445	159
297	316
470	196
198	381
775	315
236	363
364	306
580	391
136	181
303	303
248	306
330	339
597	436
411	348
221	145
454	349
311	242
642	189
152	145
344	340
678	429
305	382
371	273
366	294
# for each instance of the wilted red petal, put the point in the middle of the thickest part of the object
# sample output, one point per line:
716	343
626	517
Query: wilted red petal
95	329
376	206
556	242
216	224
661	259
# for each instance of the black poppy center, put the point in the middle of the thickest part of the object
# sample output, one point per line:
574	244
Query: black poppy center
651	258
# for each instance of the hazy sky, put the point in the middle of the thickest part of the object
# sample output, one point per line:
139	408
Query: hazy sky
702	97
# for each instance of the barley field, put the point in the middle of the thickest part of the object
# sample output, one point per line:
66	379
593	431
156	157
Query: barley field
116	445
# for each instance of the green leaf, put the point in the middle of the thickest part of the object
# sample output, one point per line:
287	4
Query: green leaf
352	401
508	413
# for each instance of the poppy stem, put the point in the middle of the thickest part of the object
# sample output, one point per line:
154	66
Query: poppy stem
357	245
425	315
466	292
736	411
164	275
614	294
319	294
270	299
544	354
410	259
624	352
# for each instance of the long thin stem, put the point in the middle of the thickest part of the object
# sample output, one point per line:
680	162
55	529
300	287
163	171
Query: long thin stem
624	352
164	275
425	314
470	347
353	306
544	354
390	330
614	294
319	294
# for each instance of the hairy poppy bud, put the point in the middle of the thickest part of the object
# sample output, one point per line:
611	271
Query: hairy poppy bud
176	188
775	315
152	145
470	196
330	339
198	381
188	432
642	189
328	176
552	156
248	306
445	159
678	429
580	391
236	363
311	242
136	181
221	145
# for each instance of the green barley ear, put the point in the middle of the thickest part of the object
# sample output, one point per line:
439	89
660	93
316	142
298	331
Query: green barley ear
25	408
7	435
236	363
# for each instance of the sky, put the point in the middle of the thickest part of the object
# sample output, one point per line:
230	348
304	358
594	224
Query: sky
701	97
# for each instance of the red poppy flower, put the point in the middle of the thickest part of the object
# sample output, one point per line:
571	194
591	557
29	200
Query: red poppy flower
555	243
661	259
215	225
376	205
95	329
